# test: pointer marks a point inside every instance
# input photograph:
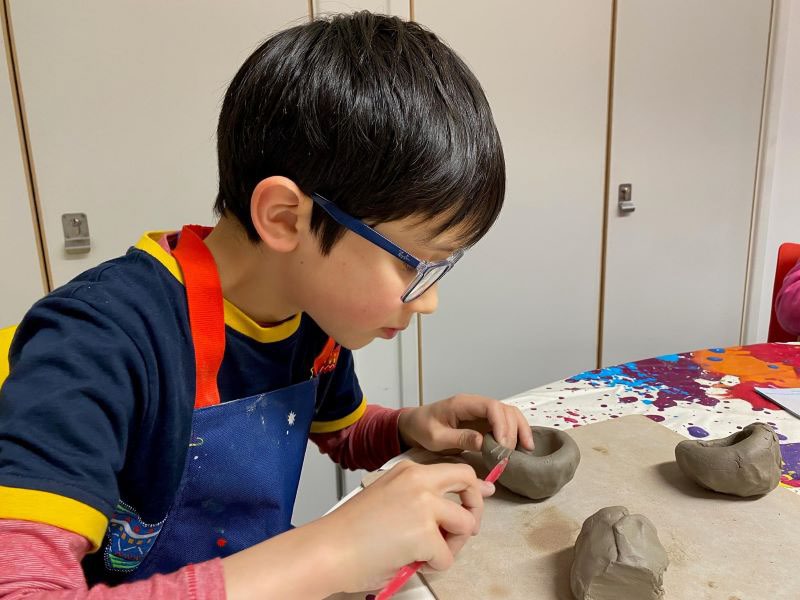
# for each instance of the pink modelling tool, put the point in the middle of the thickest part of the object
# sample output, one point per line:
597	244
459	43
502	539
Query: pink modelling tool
405	573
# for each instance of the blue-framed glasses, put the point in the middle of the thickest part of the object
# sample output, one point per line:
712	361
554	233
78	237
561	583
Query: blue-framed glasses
428	273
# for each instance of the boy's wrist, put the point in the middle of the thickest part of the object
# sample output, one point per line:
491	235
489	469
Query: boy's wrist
303	563
404	435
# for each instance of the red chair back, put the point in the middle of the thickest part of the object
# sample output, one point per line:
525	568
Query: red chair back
788	255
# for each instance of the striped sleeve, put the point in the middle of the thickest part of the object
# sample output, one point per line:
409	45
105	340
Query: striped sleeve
43	562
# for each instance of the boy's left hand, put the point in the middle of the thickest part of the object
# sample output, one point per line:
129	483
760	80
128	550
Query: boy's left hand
457	424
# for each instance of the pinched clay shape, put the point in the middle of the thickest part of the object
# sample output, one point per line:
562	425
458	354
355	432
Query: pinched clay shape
539	473
618	555
747	463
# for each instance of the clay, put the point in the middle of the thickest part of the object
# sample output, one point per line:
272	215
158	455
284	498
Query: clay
747	463
539	473
618	555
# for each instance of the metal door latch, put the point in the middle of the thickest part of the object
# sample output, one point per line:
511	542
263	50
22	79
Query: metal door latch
625	198
76	233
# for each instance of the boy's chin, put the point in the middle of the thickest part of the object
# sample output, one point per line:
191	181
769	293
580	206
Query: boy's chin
356	342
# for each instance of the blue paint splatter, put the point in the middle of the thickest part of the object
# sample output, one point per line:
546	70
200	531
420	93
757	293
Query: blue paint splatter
715	358
697	432
670	357
718	350
627	375
773	366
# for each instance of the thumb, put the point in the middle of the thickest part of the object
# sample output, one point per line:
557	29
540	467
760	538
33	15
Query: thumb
464	439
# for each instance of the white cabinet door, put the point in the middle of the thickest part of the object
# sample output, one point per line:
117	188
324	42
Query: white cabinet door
521	309
21	275
122	100
687	101
397	8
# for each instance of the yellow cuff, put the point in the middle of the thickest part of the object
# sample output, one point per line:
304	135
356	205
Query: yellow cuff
338	424
52	509
6	335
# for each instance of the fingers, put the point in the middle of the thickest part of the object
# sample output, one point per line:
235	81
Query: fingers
455	519
525	434
509	426
495	414
448	438
467	439
441	557
459	523
456	542
440	479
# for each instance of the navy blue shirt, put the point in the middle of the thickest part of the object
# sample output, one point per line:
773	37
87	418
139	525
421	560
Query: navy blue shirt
97	407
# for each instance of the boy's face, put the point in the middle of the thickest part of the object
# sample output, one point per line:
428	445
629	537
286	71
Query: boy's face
354	292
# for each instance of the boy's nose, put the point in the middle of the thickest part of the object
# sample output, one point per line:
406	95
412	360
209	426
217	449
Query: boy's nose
427	302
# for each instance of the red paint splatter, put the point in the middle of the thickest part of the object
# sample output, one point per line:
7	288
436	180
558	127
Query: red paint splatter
745	391
656	418
573	413
788	481
775	353
628	399
570	420
221	542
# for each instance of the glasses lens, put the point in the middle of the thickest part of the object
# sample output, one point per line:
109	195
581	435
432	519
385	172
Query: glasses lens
421	284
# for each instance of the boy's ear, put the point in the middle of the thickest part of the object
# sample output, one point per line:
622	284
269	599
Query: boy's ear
279	211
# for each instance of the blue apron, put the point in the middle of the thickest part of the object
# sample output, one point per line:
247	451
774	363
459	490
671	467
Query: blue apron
244	458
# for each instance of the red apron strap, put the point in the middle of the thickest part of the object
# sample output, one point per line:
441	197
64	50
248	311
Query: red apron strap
206	314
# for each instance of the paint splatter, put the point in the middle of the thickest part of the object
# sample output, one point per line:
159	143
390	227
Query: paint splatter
706	393
665	382
791	465
670	357
222	542
697	432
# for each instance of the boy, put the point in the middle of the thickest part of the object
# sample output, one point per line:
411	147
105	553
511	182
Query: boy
153	424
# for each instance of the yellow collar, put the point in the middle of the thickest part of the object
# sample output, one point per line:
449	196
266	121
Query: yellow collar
234	317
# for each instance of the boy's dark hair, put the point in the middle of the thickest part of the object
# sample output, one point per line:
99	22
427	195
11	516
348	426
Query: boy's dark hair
374	113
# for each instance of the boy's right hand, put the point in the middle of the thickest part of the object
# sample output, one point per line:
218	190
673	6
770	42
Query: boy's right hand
404	517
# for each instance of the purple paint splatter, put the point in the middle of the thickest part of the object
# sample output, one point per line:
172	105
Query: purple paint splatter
697	432
669	383
791	462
